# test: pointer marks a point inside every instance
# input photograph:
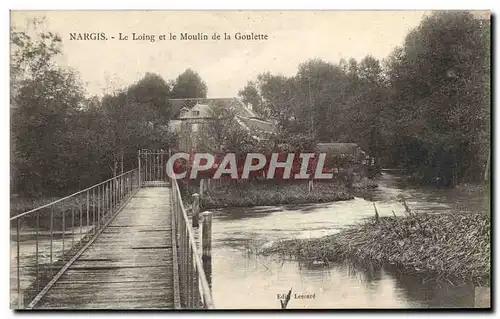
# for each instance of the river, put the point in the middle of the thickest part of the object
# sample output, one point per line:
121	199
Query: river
242	279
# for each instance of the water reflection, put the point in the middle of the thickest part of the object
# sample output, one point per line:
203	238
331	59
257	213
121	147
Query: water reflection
241	279
251	281
433	294
242	213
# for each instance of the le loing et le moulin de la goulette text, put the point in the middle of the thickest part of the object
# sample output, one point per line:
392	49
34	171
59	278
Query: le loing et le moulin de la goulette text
169	36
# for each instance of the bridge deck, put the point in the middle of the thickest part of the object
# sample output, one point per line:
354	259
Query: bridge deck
128	266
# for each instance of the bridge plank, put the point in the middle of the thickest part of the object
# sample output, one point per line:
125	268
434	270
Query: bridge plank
128	267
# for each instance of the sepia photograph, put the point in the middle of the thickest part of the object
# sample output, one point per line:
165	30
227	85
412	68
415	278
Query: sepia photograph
278	160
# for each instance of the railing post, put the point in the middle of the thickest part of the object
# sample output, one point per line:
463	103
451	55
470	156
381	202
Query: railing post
147	176
99	207
63	221
88	210
51	235
73	227
18	243
206	244
20	300
196	210
202	186
139	165
36	252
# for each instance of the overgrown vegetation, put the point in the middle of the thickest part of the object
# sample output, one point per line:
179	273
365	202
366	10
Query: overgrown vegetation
235	194
63	140
452	246
425	108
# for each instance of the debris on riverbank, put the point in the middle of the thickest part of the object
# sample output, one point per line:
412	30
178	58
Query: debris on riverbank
364	184
267	194
452	246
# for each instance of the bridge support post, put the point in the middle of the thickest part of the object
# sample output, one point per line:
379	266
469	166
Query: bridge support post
206	245
196	210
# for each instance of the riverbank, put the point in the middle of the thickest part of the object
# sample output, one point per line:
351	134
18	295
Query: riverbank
267	194
19	205
364	184
451	246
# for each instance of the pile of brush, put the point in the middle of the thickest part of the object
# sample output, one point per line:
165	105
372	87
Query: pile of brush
449	245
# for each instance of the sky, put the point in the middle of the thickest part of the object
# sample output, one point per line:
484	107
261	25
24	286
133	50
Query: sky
225	65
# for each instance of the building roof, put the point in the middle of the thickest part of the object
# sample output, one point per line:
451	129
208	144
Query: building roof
197	111
236	104
338	148
186	109
256	126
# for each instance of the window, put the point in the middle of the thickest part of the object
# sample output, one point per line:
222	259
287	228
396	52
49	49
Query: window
196	113
184	111
194	128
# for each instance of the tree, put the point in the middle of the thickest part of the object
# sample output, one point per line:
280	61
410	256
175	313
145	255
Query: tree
44	99
189	85
136	118
225	132
319	93
370	70
440	80
250	95
31	56
369	94
424	108
62	141
152	92
277	98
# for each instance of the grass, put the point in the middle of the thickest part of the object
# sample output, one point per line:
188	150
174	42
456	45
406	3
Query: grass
364	184
451	246
19	205
266	194
74	210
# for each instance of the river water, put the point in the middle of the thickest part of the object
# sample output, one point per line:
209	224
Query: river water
242	279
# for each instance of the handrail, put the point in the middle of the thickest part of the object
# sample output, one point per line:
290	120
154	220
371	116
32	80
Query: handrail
205	287
70	223
69	196
83	214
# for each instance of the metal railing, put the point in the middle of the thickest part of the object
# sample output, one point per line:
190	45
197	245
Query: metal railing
46	238
195	291
152	167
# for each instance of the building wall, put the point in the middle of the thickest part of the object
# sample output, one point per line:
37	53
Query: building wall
193	135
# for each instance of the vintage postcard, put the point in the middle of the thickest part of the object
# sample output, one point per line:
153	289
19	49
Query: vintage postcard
250	159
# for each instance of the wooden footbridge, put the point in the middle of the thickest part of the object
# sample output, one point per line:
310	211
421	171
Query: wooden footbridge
125	243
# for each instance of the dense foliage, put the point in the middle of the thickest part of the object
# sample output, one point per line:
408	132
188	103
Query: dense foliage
189	85
62	141
424	109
